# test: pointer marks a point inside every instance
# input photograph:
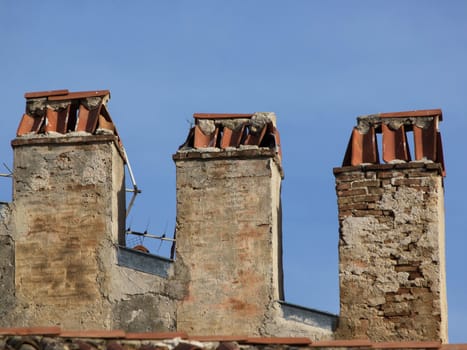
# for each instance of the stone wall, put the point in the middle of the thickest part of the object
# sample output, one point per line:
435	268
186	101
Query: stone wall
391	252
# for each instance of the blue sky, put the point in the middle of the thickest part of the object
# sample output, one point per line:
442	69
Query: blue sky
316	64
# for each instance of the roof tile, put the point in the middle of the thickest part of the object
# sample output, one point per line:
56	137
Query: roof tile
105	334
279	340
407	345
155	335
220	338
354	343
40	94
30	331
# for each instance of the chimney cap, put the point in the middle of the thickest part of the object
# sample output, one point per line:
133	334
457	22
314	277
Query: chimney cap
363	147
64	112
222	131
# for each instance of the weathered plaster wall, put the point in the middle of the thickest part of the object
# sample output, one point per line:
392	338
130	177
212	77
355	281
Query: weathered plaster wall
280	323
66	193
7	268
226	231
391	252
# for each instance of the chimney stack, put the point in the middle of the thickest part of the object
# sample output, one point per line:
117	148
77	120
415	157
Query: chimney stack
391	224
229	223
69	209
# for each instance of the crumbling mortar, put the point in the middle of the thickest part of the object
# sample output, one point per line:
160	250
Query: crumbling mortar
374	120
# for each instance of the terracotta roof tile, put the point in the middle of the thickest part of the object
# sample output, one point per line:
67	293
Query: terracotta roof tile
30	331
454	347
279	340
40	94
407	345
355	343
113	334
416	113
29	124
155	335
220	338
79	95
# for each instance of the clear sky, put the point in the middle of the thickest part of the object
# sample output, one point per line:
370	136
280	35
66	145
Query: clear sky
316	64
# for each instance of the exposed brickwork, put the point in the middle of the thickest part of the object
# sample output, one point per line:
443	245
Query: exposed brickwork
391	251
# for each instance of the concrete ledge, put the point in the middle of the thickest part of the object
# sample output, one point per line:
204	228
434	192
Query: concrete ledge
381	167
41	139
67	139
244	152
212	152
312	317
144	262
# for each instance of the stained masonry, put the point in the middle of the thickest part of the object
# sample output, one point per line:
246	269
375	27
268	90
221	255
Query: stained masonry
391	265
391	224
62	238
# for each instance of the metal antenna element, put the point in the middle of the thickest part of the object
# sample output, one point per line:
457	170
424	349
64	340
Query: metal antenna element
145	234
162	238
10	173
135	190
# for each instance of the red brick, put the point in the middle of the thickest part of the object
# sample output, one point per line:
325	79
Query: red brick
367	212
366	183
350	176
370	175
353	206
343	186
366	198
355	192
407	182
388	174
344	213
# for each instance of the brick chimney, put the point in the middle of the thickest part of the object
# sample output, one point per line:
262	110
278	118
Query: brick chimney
229	223
391	224
68	209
